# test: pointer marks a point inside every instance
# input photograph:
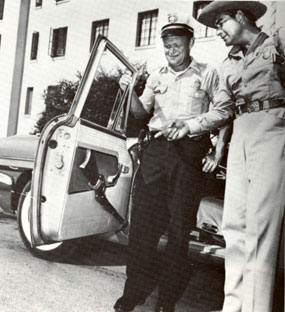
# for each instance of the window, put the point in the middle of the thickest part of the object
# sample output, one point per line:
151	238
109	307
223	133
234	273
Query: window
146	29
39	3
99	28
51	90
202	31
28	107
2	2
57	42
35	42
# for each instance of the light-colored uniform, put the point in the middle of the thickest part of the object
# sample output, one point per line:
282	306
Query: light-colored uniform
185	95
255	189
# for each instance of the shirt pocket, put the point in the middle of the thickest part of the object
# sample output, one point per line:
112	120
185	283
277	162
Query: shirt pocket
195	101
263	72
266	58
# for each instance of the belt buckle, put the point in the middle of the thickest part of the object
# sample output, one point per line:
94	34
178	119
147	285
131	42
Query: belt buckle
254	107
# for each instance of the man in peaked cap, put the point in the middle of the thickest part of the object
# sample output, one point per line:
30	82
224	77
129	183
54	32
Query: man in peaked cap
170	178
252	78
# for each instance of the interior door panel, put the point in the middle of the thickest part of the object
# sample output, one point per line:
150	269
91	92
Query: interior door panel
69	208
83	171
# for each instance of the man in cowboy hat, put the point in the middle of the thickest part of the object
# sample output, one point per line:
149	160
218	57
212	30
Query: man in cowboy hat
168	180
252	77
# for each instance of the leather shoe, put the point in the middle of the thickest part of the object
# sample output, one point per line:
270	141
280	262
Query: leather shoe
125	304
162	307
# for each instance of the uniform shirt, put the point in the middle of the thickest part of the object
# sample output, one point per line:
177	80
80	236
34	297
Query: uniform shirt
171	95
257	75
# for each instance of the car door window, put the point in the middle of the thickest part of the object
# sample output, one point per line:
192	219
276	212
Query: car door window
105	103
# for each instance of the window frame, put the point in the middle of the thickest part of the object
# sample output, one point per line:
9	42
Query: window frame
202	30
2	6
35	45
55	34
94	25
141	16
29	101
38	3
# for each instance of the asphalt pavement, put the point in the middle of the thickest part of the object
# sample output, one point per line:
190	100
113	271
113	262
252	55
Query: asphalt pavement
91	280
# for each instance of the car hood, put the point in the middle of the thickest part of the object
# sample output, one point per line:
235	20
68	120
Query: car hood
18	148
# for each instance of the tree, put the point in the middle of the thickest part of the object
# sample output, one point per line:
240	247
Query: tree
99	103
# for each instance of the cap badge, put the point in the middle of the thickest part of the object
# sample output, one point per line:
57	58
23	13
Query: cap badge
172	18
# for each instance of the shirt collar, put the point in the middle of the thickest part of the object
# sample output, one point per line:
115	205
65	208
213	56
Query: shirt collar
194	65
236	51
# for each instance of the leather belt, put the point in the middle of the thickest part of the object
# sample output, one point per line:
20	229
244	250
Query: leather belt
257	106
204	136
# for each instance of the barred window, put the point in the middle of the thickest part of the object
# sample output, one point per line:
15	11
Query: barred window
57	43
35	43
29	98
99	28
202	31
146	29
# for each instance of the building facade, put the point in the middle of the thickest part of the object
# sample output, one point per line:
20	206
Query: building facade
44	41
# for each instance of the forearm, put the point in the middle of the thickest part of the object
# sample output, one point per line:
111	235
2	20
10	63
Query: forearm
223	139
137	108
215	118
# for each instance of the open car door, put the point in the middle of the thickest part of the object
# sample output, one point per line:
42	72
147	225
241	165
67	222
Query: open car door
83	171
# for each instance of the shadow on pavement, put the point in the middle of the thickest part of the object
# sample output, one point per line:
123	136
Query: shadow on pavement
94	252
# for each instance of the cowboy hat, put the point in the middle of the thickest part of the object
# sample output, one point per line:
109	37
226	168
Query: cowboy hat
210	12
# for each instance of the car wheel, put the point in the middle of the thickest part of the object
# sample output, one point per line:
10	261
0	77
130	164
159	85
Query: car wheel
55	251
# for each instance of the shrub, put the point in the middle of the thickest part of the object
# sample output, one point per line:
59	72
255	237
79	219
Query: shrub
58	99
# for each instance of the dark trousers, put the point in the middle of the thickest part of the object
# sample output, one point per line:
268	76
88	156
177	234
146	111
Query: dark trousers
166	198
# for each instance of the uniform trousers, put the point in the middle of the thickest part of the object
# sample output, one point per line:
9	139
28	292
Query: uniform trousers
254	209
166	198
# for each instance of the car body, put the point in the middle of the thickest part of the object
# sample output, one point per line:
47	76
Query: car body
17	157
77	179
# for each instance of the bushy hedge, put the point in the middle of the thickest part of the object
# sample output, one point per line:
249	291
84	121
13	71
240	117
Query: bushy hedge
58	100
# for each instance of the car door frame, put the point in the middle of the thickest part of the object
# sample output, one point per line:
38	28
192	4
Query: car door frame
70	119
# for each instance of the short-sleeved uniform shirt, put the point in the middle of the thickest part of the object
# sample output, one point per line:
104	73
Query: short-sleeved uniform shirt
171	95
257	75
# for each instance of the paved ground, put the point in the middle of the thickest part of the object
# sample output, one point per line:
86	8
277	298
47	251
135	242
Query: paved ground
91	280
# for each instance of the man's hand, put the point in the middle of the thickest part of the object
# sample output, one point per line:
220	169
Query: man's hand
125	80
175	130
211	162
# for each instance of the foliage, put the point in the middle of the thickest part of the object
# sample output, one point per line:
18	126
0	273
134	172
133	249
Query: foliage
58	99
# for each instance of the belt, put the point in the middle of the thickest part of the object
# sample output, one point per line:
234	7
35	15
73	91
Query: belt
194	138
257	106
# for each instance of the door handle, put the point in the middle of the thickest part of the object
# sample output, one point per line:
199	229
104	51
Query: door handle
111	180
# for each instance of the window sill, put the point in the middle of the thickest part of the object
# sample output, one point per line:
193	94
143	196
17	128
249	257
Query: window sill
60	2
33	61
57	58
38	7
145	47
27	116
